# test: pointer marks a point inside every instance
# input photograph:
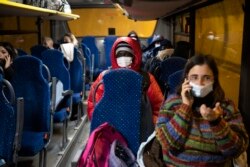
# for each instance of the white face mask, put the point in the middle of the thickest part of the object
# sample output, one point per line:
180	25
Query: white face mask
124	61
201	91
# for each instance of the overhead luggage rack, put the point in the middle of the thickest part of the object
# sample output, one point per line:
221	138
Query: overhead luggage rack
9	8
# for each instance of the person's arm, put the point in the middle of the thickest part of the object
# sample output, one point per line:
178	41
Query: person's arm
8	62
173	124
155	96
98	95
229	131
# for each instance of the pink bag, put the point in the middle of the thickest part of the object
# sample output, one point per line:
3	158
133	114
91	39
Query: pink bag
97	149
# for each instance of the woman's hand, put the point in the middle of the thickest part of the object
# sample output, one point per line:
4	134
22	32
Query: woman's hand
187	98
211	114
8	61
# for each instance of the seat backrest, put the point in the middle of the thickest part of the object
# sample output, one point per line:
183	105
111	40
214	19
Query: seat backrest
28	82
108	43
21	52
168	67
76	73
54	60
87	54
171	65
90	42
174	80
8	121
121	105
37	50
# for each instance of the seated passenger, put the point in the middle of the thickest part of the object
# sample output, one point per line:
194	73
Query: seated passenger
48	42
126	53
166	50
7	55
152	49
70	38
155	43
199	126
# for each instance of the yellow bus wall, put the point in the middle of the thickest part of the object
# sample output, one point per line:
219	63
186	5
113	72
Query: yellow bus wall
27	35
97	21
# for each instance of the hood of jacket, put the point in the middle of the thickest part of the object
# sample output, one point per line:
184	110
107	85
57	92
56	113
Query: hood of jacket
136	64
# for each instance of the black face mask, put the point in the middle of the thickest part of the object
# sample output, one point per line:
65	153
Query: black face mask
207	100
2	63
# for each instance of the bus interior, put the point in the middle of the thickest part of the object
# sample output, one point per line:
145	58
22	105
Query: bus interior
215	27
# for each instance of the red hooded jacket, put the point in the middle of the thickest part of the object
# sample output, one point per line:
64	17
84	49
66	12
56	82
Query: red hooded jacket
154	92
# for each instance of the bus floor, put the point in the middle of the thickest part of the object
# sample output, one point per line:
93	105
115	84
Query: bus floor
77	136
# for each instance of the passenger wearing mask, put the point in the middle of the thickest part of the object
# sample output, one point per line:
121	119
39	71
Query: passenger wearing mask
67	47
155	43
199	126
7	55
126	53
164	51
70	38
152	48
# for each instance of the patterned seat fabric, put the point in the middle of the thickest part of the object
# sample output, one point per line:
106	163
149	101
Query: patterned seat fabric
7	126
121	105
28	82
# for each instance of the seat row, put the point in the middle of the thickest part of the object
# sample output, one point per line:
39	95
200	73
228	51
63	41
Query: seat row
121	106
94	61
45	95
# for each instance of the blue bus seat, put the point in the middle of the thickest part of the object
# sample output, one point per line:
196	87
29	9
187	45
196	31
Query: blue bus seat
87	55
11	123
88	66
21	52
54	60
167	67
28	82
108	43
76	82
90	42
174	80
121	105
37	50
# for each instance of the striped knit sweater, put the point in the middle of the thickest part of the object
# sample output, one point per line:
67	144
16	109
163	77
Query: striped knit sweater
189	140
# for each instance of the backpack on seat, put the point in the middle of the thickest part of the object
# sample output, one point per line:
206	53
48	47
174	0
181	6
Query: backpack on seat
97	149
